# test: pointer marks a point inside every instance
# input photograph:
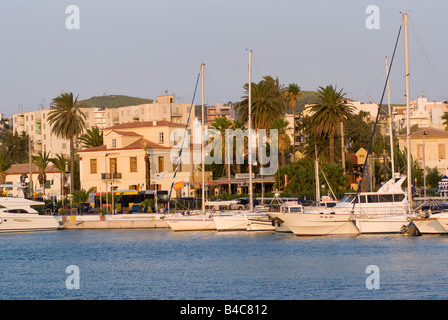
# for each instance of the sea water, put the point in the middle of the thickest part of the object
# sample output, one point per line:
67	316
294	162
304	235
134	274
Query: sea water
165	265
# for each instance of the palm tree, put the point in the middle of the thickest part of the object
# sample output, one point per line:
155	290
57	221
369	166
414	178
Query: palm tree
92	138
147	166
222	124
268	102
329	113
67	122
5	164
60	161
283	139
41	161
292	94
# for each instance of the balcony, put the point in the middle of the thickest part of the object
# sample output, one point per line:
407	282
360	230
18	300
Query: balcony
111	176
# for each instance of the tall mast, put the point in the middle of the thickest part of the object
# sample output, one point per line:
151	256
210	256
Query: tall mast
408	111
250	132
391	134
202	140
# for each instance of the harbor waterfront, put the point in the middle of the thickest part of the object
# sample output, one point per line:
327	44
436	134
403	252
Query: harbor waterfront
160	264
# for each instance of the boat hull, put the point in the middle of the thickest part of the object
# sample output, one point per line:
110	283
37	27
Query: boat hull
381	225
429	226
260	224
191	223
27	222
310	224
231	223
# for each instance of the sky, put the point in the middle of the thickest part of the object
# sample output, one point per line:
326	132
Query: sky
142	48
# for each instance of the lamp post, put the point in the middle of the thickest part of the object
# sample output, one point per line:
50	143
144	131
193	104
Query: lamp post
105	176
424	164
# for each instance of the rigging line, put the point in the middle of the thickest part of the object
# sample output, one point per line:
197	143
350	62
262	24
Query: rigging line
428	62
211	82
376	121
182	145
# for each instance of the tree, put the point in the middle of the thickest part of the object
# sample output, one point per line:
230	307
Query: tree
5	164
284	142
268	102
147	159
292	94
92	138
15	146
445	122
67	122
329	113
60	161
222	124
41	161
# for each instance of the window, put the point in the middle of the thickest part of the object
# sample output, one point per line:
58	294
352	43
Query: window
64	146
420	151
133	187
161	137
114	142
161	164
113	165
93	166
442	154
133	164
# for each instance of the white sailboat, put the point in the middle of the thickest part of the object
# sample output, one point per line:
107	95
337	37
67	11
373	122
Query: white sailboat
202	221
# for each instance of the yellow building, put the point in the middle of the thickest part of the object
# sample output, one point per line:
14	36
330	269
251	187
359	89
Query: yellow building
429	146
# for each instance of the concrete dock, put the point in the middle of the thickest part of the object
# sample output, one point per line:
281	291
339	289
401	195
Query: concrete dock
117	221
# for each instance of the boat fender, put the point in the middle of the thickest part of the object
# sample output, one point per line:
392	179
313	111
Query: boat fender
273	223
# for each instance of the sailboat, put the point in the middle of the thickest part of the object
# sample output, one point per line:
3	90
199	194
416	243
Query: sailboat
202	221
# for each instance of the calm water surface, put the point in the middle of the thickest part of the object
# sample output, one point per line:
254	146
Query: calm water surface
163	265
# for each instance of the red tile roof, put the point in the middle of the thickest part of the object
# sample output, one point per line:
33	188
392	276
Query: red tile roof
139	144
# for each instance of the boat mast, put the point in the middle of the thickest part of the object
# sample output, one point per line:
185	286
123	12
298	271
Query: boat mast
202	140
316	173
391	134
249	156
408	111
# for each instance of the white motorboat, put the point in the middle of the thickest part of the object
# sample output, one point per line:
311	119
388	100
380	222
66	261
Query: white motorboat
16	214
384	211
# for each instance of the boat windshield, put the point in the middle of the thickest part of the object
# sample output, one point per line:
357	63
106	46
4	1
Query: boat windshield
348	198
295	209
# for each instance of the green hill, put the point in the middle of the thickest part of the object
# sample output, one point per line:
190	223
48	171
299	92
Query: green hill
113	101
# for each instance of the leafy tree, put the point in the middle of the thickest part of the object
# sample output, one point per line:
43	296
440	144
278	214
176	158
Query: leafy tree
433	177
5	164
67	122
15	146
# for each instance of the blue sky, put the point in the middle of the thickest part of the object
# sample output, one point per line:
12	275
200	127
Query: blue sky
143	48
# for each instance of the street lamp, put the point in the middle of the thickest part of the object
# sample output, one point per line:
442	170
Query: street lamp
105	177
